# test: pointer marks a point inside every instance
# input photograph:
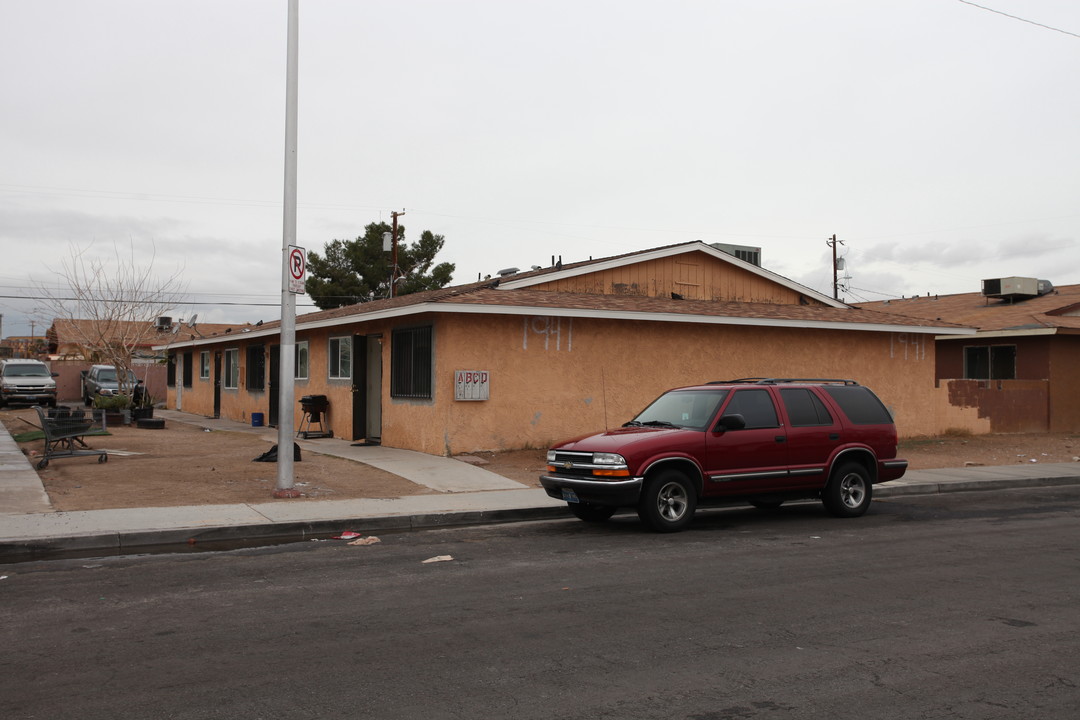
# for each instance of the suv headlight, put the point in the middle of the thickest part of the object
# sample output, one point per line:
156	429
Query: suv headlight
608	459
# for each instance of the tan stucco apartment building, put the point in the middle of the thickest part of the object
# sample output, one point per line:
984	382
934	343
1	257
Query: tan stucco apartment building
534	357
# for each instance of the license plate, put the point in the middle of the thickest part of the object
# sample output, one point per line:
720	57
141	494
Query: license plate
570	496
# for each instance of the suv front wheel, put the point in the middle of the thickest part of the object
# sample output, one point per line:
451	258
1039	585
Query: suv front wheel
848	492
667	502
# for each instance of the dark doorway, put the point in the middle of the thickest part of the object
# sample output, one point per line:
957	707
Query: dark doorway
367	388
217	384
272	388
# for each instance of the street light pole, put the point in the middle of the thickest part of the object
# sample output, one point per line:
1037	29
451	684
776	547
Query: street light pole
287	391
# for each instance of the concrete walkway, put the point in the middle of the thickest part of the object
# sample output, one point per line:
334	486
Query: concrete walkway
468	494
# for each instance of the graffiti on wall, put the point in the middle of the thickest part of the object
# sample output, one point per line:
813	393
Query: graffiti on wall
907	346
555	333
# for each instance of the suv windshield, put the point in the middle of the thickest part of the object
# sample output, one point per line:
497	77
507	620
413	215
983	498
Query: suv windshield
109	375
26	371
692	409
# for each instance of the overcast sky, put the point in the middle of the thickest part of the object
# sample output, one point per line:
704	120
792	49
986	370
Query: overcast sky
937	139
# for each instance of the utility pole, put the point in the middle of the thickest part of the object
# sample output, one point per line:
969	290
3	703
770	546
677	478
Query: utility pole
393	258
833	242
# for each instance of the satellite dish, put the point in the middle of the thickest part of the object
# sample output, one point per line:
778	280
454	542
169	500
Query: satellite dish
176	328
191	322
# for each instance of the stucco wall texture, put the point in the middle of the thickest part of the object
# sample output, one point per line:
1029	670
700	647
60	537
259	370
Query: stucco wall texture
552	377
556	377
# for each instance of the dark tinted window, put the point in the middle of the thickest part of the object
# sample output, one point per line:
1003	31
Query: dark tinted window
861	406
756	407
804	408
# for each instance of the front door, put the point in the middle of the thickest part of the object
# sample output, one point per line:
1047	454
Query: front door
367	388
373	386
272	388
217	384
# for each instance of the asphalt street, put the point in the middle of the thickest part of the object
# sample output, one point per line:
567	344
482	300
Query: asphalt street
962	606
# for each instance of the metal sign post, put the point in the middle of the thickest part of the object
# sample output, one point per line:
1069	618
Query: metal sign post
287	391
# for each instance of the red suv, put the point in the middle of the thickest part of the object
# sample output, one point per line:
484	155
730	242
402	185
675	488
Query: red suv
757	440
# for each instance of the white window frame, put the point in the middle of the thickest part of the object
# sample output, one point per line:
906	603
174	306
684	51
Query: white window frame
303	359
333	357
231	381
204	365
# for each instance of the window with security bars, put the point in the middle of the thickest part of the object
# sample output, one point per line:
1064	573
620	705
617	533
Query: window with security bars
411	363
256	367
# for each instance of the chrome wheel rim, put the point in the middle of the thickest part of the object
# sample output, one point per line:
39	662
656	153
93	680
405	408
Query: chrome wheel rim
672	502
852	490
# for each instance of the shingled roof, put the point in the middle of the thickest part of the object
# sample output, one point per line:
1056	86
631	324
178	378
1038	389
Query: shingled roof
1056	312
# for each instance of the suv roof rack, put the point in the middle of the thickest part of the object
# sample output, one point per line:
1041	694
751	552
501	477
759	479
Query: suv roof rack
780	381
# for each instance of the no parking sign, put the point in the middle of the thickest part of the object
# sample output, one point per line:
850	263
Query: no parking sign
297	268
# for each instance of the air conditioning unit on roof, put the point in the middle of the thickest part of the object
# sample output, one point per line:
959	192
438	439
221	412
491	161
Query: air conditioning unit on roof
1017	288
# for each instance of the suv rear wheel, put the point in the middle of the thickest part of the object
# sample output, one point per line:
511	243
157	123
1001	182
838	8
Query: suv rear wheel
848	492
668	501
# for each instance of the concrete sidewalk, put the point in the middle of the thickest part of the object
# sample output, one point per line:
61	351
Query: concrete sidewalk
467	495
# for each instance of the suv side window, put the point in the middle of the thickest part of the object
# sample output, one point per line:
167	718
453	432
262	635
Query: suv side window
860	405
804	409
756	407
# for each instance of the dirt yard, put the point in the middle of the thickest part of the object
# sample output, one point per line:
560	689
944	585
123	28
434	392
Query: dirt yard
185	465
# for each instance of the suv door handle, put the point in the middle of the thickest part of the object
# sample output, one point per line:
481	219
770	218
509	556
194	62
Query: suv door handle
780	438
834	436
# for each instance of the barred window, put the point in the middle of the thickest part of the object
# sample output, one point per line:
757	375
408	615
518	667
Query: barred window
411	363
256	367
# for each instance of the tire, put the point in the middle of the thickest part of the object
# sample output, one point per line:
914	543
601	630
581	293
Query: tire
767	504
42	464
87	401
848	492
591	513
668	502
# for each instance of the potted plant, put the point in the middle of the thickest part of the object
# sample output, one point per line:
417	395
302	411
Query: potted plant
142	403
115	407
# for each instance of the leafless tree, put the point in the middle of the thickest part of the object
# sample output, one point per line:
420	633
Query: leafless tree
108	306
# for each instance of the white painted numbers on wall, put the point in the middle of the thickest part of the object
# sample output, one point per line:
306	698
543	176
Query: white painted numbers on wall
907	346
555	333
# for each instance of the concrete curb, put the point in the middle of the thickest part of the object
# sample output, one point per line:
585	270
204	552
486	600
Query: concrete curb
253	534
133	542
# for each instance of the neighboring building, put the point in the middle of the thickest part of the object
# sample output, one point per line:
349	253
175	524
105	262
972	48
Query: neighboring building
531	358
72	339
71	349
1021	370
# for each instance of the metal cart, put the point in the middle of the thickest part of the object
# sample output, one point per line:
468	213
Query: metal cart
65	429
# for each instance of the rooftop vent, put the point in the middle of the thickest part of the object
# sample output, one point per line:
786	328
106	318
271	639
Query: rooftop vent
508	271
1016	288
163	323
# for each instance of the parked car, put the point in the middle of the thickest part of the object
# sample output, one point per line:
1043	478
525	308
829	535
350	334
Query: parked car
102	380
27	382
761	441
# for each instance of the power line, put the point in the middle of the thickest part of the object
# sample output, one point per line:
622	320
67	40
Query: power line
1014	17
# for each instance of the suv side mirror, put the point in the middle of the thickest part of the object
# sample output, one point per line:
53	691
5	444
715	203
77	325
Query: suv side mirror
731	422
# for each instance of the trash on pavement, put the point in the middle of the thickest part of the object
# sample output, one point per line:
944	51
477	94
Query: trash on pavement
439	558
348	535
369	540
